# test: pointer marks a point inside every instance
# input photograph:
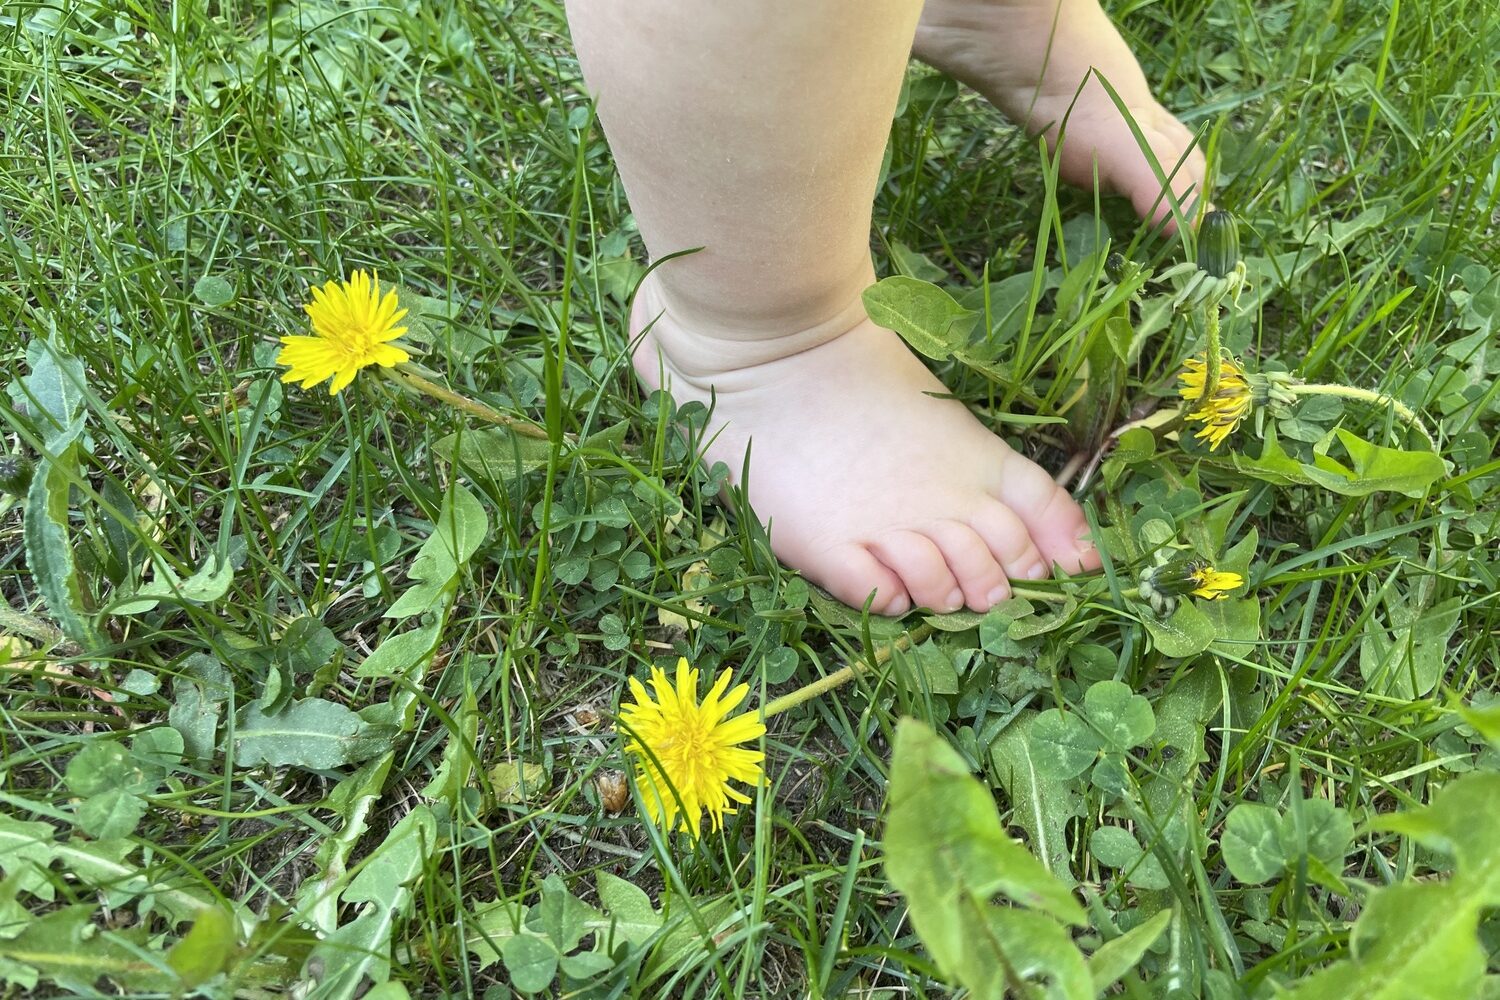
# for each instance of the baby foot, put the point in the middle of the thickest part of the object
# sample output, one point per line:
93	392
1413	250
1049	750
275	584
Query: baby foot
1029	58
868	479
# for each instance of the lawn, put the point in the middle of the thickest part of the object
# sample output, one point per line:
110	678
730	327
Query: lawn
315	695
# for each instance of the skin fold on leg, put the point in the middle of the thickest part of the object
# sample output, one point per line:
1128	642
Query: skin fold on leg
755	132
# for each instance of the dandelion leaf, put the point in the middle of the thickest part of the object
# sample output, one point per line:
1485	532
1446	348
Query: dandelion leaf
385	885
1041	805
929	319
206	949
1412	942
1375	469
493	455
49	548
489	927
631	916
67	948
1187	632
312	734
1420	941
947	852
460	529
1119	955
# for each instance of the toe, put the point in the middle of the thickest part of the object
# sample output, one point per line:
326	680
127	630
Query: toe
971	562
919	563
854	576
1053	520
1010	542
1182	162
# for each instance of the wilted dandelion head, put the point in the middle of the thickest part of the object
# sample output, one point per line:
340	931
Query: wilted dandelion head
1231	403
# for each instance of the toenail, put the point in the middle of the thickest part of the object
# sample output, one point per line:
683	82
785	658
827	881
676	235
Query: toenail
999	594
898	607
954	602
1038	571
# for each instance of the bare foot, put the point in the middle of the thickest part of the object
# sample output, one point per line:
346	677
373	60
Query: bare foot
867	482
1029	57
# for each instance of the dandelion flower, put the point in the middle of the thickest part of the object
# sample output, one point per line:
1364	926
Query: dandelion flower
687	753
1230	404
1213	584
352	329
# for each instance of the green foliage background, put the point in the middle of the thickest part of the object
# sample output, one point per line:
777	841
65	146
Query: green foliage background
300	690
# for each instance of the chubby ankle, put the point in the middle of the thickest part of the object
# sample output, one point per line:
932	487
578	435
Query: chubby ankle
708	350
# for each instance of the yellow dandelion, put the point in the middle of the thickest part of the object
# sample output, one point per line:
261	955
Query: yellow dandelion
1230	404
1213	584
687	753
352	329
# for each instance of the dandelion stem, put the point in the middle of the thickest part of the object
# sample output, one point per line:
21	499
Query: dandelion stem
1366	396
901	643
1213	355
842	676
409	378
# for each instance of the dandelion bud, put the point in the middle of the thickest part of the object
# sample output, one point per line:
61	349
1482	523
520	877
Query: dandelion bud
1114	267
15	474
1218	243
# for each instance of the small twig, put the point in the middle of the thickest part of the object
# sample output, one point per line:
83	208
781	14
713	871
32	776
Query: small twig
1070	468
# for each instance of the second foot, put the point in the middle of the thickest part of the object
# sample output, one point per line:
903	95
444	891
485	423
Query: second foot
1030	58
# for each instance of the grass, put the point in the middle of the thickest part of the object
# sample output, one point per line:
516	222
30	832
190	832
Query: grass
173	178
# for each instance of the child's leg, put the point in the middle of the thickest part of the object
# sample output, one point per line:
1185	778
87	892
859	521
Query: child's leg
1029	58
755	131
